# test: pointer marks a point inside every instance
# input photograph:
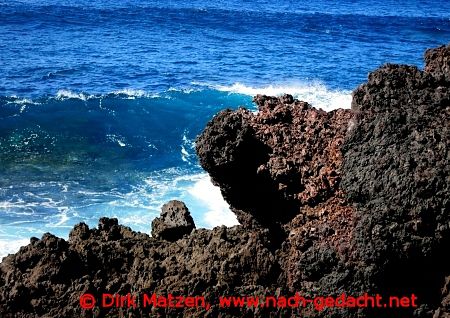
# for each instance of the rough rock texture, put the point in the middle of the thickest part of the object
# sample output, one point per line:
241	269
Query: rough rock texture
174	222
388	189
230	148
282	158
47	277
351	201
437	63
397	171
292	159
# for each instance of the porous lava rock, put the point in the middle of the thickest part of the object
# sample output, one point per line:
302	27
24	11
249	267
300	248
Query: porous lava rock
330	203
397	171
271	163
47	277
437	63
174	222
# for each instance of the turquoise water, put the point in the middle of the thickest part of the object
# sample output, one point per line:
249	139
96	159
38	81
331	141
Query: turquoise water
100	102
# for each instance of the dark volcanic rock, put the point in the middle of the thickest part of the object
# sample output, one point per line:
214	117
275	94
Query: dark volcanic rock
305	158
47	277
270	164
174	222
293	181
397	170
229	150
437	63
33	280
350	201
394	167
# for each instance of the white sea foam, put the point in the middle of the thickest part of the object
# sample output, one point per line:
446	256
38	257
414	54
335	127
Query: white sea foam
22	101
218	210
136	208
186	90
202	198
120	140
317	94
68	94
11	246
187	148
127	93
61	218
136	220
134	93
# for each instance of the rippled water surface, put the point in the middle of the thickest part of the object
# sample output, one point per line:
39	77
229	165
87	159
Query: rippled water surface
100	102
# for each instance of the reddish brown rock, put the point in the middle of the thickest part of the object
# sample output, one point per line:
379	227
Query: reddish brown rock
437	62
305	159
270	164
350	201
296	173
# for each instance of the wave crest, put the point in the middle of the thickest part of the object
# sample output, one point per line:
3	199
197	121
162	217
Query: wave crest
68	94
317	94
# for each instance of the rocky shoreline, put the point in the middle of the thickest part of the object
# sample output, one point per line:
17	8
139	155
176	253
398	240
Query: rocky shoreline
348	201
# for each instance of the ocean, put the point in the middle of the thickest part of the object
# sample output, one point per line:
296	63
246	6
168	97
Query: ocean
101	102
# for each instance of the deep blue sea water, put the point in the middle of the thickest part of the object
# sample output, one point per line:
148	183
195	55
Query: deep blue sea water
100	102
